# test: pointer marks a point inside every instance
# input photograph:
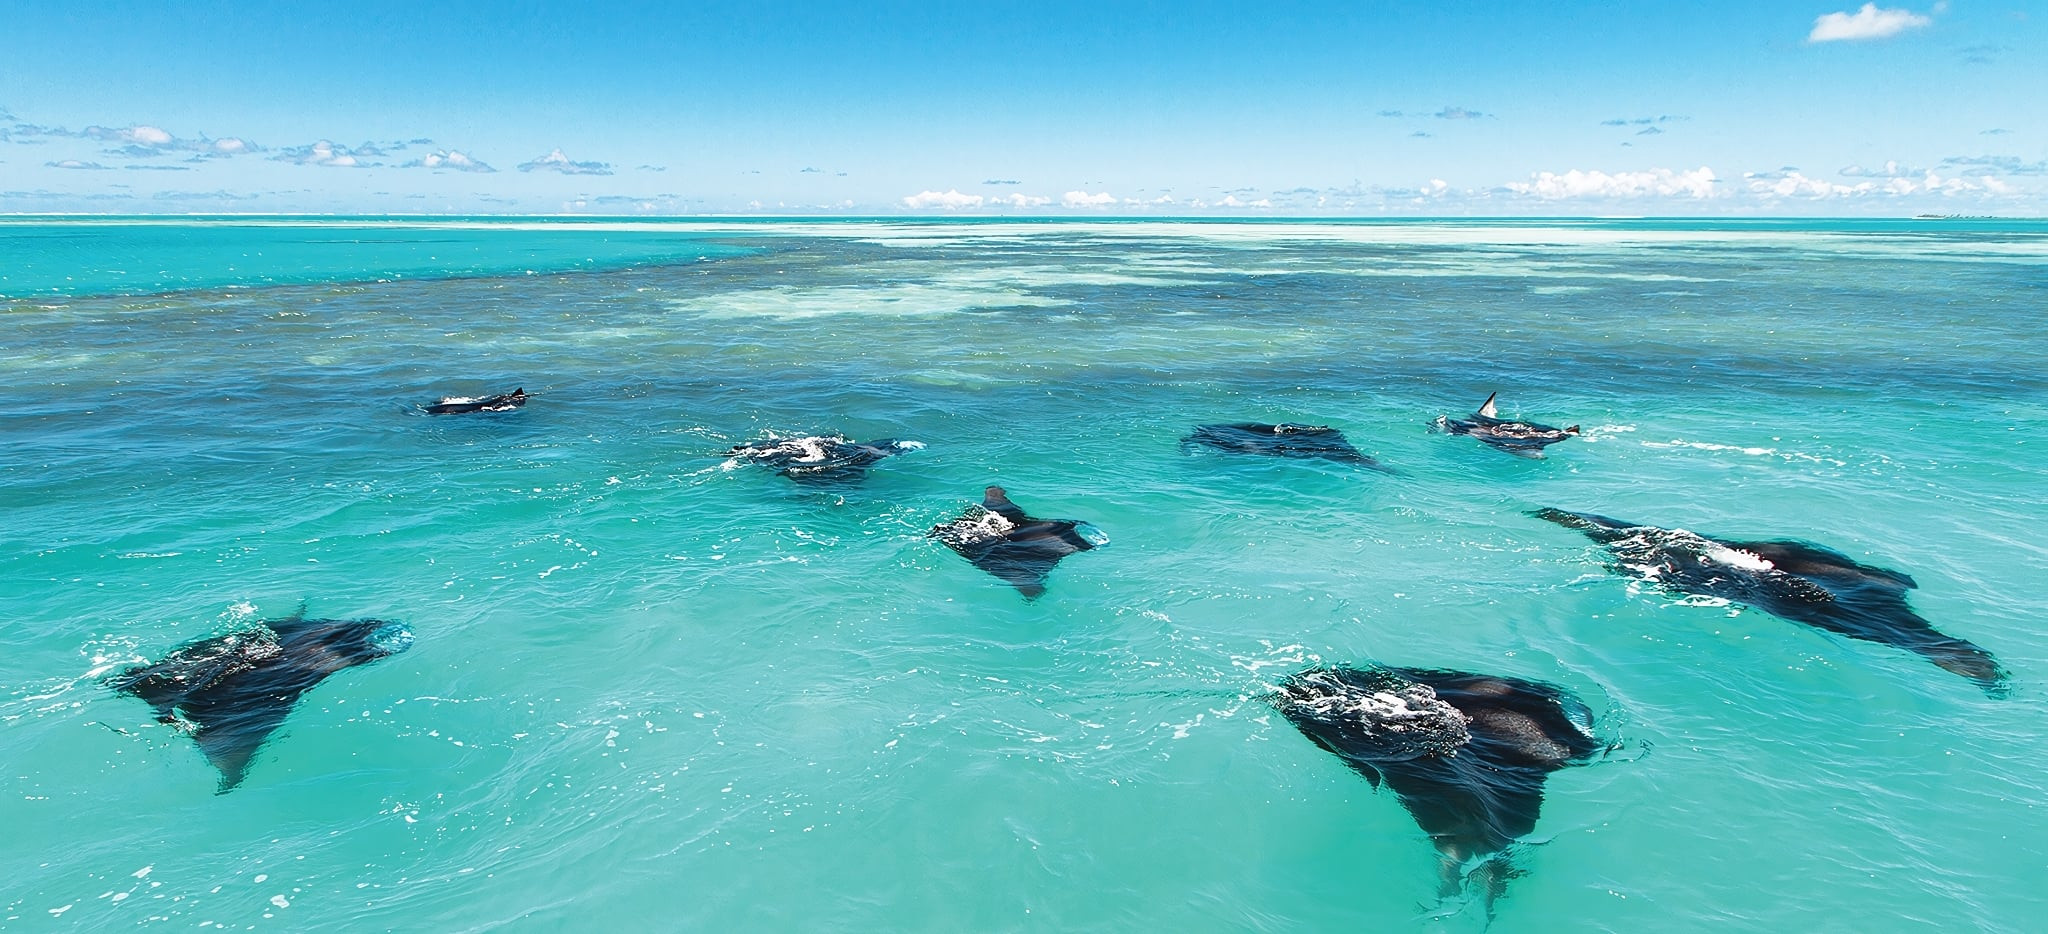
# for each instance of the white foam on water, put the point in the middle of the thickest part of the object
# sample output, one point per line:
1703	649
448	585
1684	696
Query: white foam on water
905	300
1104	274
907	289
1701	600
1752	451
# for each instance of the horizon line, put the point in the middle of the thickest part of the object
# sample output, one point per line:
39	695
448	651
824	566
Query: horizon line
1059	218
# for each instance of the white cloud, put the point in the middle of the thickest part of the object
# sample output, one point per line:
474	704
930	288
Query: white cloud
2009	165
1082	199
147	136
1891	169
449	159
557	161
326	152
143	141
1231	201
1865	24
1793	184
1022	201
1901	183
1932	184
951	200
1578	183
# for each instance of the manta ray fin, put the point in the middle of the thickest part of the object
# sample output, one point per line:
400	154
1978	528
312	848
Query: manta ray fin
996	501
230	738
1026	573
1486	408
1572	430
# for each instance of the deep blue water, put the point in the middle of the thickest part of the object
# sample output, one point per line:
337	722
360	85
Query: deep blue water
652	687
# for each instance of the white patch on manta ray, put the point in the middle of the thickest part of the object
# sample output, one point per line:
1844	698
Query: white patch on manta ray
1735	557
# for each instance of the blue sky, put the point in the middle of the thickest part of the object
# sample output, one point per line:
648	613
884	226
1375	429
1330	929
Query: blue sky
1190	108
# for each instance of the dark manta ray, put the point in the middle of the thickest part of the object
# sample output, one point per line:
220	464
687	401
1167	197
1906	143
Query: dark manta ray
1794	580
1000	539
1279	441
819	459
231	692
457	405
1467	754
1526	439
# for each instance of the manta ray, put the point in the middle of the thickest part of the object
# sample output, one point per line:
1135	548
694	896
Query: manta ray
1000	539
1792	580
821	458
1523	439
231	692
457	405
1283	440
1467	754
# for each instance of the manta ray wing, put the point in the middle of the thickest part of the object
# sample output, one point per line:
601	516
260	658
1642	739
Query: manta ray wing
1810	560
1026	555
1020	565
819	460
1466	754
1283	440
1521	732
171	682
1796	581
1869	603
233	691
237	719
998	537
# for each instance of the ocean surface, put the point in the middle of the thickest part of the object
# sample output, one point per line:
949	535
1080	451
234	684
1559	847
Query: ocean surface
653	688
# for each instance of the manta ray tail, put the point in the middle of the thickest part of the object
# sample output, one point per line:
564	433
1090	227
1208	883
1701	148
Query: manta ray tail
1572	430
1489	880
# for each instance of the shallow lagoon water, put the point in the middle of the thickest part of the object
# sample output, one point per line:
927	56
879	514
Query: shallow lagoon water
652	687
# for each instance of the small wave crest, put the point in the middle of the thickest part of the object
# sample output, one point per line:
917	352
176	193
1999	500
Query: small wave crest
1747	450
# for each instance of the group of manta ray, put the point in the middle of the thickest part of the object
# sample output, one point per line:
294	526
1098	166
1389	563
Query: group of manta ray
1466	754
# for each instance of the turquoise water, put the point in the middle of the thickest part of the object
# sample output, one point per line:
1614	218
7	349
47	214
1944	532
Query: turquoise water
651	688
144	255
